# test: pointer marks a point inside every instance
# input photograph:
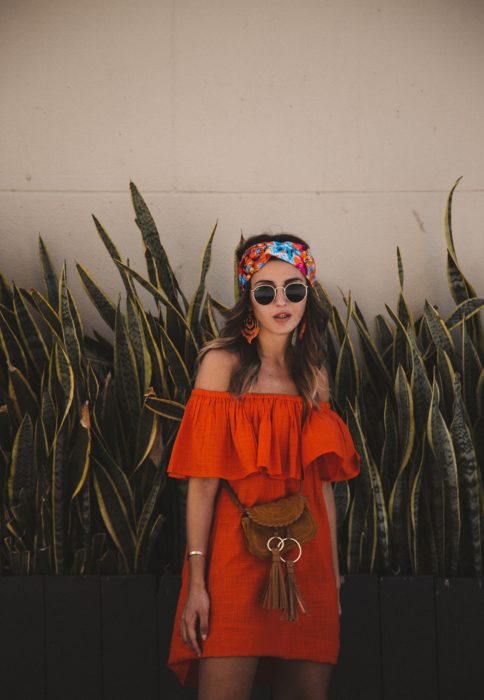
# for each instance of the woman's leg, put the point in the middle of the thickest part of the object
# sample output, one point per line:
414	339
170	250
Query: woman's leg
296	679
226	678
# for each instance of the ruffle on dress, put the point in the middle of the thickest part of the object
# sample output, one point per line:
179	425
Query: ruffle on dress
222	436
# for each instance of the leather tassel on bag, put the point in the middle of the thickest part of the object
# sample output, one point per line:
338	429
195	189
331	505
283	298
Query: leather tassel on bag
275	596
294	595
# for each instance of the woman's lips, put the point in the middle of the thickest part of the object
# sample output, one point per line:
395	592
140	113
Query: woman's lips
282	320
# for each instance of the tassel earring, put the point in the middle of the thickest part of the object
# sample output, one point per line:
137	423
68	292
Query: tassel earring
302	330
250	329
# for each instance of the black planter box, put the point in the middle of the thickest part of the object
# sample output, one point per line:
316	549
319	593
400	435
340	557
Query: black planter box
107	638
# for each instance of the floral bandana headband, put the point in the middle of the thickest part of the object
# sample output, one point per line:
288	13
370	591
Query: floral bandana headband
259	254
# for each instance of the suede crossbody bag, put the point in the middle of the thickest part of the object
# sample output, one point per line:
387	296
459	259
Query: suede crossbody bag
272	530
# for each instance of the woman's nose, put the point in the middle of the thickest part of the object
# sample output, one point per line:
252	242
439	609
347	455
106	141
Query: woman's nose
280	296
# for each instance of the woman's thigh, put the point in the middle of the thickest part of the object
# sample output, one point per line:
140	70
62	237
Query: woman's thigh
297	679
226	677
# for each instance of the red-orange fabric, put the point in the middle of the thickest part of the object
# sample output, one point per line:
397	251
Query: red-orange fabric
258	444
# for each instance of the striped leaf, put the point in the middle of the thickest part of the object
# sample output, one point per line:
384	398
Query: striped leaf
151	239
126	371
459	287
32	338
438	330
72	341
114	515
153	538
49	315
11	345
442	447
22	394
193	314
157	295
469	477
464	311
145	438
115	255
389	455
166	408
138	342
382	534
415	499
80	455
471	370
444	374
101	301
149	506
342	500
175	363
65	377
22	472
399	496
58	498
50	275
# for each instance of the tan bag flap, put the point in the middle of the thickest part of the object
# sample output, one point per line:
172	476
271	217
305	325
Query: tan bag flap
284	511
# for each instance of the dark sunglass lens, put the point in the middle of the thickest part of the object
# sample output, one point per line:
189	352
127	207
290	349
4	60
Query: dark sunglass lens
295	292
264	294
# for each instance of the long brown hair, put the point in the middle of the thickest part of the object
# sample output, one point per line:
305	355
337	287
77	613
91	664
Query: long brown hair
304	357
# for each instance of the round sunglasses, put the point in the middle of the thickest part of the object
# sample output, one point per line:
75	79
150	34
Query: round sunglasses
266	293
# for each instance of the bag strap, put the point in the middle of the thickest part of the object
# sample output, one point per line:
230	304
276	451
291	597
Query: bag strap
234	495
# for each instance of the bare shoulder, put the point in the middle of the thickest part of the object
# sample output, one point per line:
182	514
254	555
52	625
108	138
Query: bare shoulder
323	384
215	370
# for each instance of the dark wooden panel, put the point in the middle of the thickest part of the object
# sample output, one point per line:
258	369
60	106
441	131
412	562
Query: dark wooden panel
130	637
460	635
73	638
408	639
357	675
22	637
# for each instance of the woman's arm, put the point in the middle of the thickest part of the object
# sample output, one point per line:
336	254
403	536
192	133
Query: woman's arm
331	510
199	513
213	374
200	500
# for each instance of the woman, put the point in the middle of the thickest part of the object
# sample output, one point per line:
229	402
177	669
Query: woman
259	417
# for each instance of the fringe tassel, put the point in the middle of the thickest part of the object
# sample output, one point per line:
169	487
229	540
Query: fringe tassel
275	596
294	595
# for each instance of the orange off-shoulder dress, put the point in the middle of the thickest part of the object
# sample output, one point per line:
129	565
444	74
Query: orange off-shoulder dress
258	444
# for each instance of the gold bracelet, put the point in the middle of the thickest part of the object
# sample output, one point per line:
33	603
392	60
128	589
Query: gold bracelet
195	551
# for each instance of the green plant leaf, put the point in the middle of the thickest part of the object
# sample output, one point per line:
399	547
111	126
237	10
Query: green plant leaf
33	341
104	305
151	239
126	372
22	466
469	478
50	275
114	515
442	447
72	341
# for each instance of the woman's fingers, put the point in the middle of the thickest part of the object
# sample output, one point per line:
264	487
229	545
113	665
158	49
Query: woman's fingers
189	632
192	635
204	623
194	622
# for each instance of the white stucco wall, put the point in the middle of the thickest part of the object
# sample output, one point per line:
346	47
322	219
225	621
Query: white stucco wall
344	121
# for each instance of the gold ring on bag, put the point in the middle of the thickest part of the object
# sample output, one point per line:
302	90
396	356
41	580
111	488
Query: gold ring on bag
300	550
275	537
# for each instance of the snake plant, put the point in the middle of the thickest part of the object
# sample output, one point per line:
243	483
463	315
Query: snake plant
87	422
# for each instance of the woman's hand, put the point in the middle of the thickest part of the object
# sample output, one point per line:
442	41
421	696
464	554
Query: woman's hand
195	614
